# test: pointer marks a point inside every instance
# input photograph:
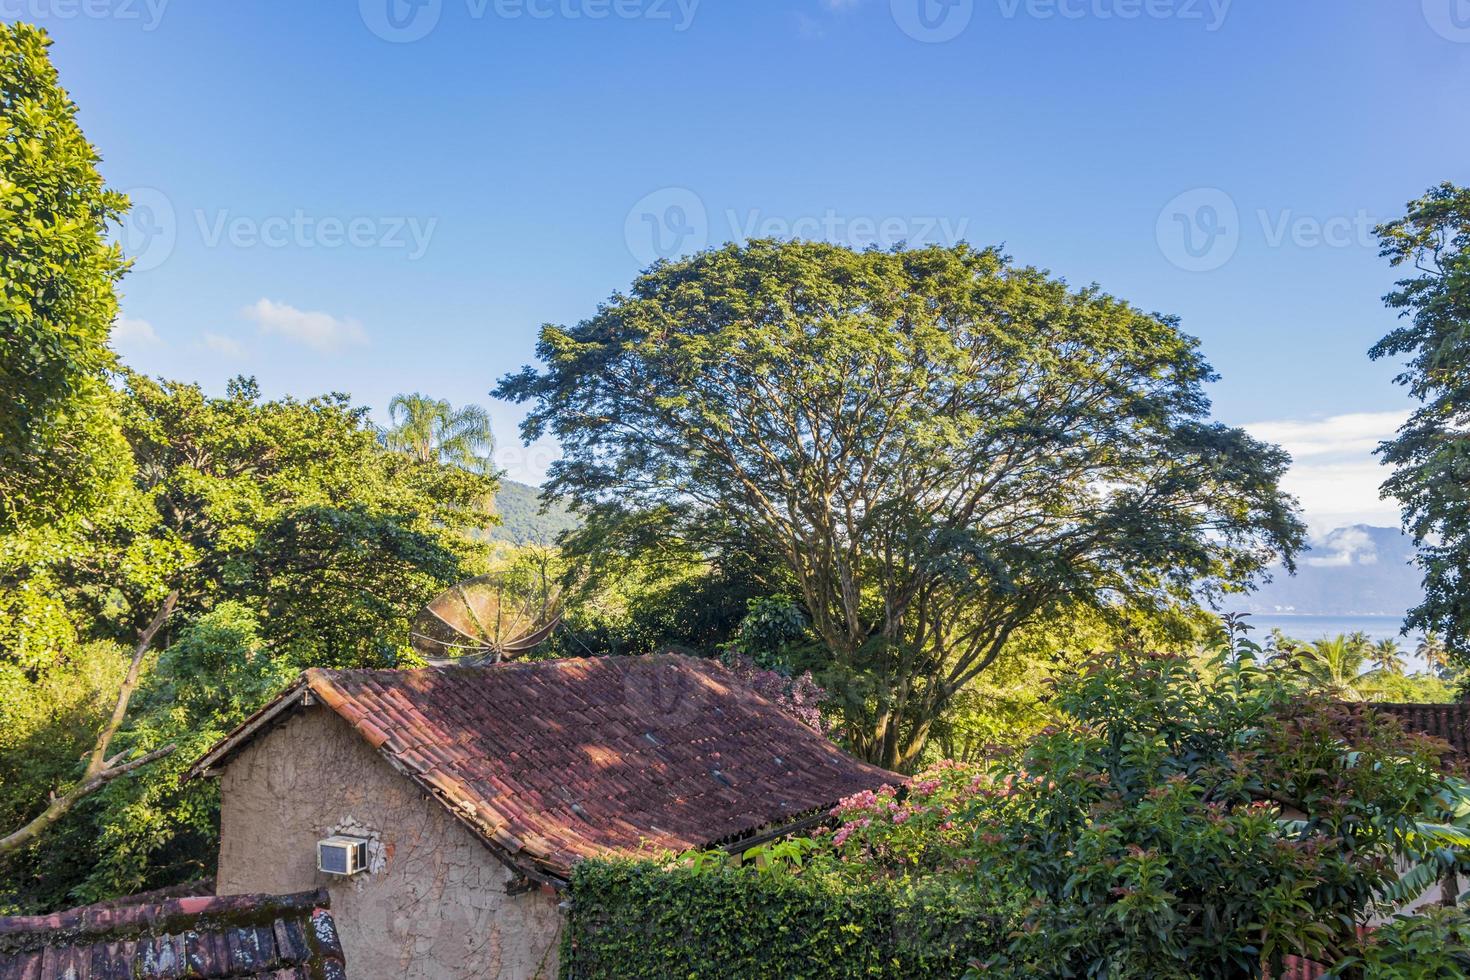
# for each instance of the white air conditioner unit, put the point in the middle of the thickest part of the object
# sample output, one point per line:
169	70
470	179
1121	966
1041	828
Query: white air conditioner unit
341	855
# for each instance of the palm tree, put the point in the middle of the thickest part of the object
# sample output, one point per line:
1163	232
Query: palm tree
1333	666
1431	648
1387	657
434	431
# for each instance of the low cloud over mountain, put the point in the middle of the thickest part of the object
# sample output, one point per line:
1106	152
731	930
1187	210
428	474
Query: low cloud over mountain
1358	570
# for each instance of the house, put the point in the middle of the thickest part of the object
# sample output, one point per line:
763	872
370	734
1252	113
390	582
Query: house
172	934
473	792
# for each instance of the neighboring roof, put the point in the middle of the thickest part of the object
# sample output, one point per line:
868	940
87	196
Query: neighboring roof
240	936
554	761
1450	722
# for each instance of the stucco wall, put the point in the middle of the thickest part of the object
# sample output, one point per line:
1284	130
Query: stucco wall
435	905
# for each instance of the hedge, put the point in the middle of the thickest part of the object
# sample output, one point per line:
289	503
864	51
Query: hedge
634	920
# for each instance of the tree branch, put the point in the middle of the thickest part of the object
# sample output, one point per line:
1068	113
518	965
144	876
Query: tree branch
100	769
80	791
98	761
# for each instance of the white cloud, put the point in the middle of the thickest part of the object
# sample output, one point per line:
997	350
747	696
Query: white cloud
132	332
1334	472
224	346
1342	547
320	331
1358	433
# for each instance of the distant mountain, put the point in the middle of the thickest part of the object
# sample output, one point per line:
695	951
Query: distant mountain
521	520
1351	571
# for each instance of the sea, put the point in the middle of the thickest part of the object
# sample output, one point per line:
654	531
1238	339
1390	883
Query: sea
1309	628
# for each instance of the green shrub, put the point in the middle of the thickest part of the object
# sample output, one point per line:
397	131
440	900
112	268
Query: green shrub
648	920
1433	944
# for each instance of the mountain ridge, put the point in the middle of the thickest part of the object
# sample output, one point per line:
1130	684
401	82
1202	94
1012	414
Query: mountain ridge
1357	570
521	521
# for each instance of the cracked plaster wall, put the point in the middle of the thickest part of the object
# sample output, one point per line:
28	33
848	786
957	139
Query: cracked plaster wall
434	907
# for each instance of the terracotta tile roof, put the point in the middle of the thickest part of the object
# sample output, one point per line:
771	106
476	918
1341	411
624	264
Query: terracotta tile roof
551	762
241	936
1450	722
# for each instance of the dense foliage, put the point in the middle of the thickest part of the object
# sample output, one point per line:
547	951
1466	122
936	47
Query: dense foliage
643	920
59	447
935	445
294	539
1429	454
1182	818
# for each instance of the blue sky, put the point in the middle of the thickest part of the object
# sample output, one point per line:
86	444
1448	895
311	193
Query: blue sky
392	195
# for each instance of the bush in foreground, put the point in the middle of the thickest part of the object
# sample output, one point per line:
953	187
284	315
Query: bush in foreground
1183	818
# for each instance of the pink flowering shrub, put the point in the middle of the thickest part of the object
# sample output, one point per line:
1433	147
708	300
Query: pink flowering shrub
914	826
800	696
1145	835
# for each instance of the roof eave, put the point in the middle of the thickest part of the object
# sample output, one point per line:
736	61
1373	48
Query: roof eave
295	696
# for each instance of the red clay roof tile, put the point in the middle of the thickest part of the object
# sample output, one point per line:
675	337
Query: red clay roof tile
555	761
149	937
1450	722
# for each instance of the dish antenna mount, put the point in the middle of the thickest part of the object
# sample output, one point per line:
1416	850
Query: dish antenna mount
486	620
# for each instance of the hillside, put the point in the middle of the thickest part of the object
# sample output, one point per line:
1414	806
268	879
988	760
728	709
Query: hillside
1350	571
521	520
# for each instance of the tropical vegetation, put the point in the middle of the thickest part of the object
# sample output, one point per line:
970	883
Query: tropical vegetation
1182	817
932	448
898	492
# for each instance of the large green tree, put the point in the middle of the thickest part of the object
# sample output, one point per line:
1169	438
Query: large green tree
938	447
65	490
291	537
59	446
1431	453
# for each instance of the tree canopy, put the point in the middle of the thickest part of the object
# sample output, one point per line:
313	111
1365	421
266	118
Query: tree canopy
433	430
937	446
1430	454
59	446
293	539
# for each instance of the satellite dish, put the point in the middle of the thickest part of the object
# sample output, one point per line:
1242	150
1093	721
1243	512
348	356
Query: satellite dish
486	620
